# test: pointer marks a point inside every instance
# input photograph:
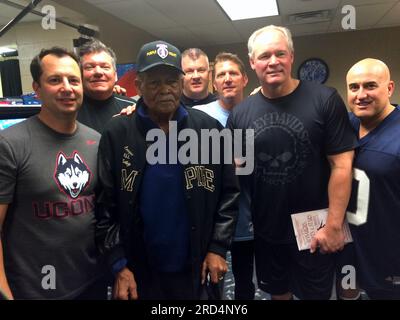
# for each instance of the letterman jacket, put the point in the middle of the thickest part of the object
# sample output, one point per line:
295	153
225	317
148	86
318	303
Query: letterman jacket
212	203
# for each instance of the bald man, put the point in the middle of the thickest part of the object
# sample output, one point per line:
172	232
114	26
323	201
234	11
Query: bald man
375	216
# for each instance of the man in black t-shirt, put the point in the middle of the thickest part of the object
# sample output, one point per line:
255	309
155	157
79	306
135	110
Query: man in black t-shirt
303	147
99	75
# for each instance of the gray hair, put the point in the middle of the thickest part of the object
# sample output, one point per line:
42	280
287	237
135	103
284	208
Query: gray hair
96	46
284	31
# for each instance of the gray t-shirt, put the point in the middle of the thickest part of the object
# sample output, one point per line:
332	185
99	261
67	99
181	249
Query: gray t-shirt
48	180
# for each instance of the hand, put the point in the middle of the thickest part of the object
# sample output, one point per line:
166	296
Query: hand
127	111
328	239
125	286
216	266
119	90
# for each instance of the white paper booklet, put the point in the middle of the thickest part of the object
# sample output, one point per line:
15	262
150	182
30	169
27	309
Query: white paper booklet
306	224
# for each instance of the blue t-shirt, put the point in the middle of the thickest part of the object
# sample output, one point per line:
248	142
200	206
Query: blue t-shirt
375	204
215	110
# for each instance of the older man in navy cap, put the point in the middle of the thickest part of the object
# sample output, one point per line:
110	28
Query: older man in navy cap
164	226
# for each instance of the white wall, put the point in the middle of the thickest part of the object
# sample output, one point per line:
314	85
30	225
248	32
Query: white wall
30	38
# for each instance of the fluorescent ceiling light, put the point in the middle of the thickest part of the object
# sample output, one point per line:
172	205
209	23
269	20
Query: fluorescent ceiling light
6	50
249	9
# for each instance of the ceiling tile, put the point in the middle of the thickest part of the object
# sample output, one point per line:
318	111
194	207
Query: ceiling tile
8	13
180	37
369	15
97	2
190	12
63	11
309	28
391	18
217	33
139	14
297	6
365	2
248	26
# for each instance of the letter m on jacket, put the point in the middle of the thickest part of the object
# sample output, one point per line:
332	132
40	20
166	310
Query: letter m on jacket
128	180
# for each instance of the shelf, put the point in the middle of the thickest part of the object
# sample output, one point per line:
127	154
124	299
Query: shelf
18	111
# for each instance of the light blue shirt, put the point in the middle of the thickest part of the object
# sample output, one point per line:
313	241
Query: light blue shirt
215	110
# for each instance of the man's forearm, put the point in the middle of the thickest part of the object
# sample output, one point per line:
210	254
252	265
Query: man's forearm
339	189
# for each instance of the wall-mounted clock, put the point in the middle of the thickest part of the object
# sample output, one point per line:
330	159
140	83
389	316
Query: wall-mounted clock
313	69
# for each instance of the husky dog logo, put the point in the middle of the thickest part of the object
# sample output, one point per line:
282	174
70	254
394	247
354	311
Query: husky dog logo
162	50
72	174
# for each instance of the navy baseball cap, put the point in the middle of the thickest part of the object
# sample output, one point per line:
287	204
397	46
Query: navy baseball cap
158	53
